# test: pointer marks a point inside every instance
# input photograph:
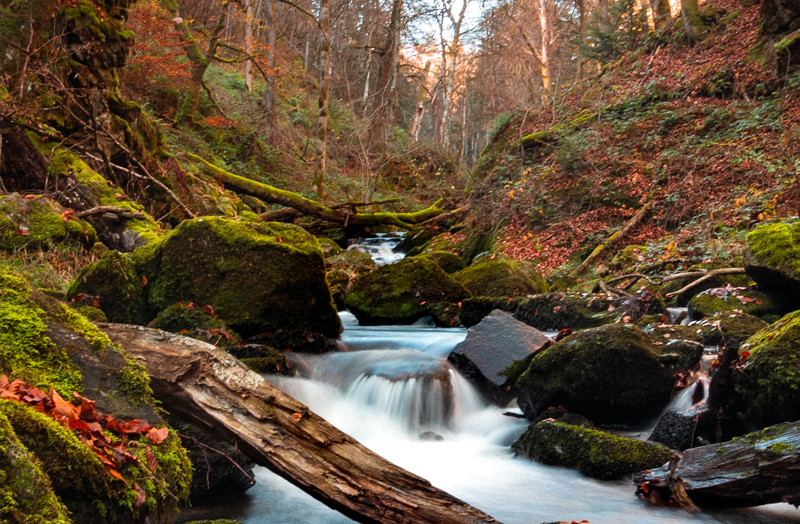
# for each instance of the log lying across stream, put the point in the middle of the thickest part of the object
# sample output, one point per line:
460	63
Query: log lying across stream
759	468
280	433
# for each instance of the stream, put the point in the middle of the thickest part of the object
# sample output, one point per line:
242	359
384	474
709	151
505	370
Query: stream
393	390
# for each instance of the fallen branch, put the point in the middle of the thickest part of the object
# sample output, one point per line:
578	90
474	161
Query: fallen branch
615	238
704	275
605	288
635	276
101	210
310	207
216	390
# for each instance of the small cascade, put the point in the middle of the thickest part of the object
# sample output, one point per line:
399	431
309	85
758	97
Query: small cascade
380	248
678	313
693	394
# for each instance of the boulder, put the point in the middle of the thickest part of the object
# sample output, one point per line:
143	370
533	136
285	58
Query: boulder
329	247
594	453
677	427
717	300
610	374
444	259
731	328
772	257
492	346
401	293
627	257
266	278
683	342
769	381
196	322
40	223
500	277
352	259
414	239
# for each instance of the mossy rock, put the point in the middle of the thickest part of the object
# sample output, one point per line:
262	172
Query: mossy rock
268	360
626	258
351	258
329	247
714	301
563	416
611	374
594	453
683	343
770	380
480	242
772	257
730	328
449	262
196	322
664	333
500	277
38	223
26	494
116	283
223	521
403	292
416	238
259	278
91	313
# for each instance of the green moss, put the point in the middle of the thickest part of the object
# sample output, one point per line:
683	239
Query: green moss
731	328
194	322
501	277
272	361
773	255
781	447
329	247
402	292
627	257
26	352
751	302
594	453
351	258
770	381
449	262
91	313
26	494
38	223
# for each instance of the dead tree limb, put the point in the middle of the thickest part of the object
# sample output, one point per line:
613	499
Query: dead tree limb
615	238
310	207
704	275
101	210
275	430
760	468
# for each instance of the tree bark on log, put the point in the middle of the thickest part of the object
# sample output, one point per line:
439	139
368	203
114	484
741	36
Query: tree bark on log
613	239
310	207
760	468
278	432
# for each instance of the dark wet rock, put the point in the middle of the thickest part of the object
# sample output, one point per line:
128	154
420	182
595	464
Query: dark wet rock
718	300
329	247
414	239
494	345
430	435
449	262
402	293
594	453
730	328
196	322
610	374
677	427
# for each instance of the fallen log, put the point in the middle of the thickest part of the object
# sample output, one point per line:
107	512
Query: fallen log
704	275
615	238
759	468
309	207
278	432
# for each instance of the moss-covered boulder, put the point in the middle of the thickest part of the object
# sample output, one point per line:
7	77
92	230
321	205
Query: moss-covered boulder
736	280
329	247
258	278
115	284
772	257
626	258
594	453
351	258
683	343
770	380
416	238
731	328
444	259
196	322
717	300
610	374
403	292
500	277
26	494
40	223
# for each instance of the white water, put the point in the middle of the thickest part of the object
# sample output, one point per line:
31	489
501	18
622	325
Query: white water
380	248
392	383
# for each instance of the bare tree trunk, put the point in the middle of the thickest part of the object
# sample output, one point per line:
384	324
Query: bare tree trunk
605	23
390	97
269	96
368	65
275	430
544	32
692	24
248	43
662	14
325	89
437	122
419	112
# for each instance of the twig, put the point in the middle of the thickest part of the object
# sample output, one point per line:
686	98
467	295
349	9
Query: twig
608	289
211	97
710	274
206	446
637	276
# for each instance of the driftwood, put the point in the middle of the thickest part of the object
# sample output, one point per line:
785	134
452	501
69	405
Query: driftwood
102	210
760	468
310	207
615	238
217	391
288	214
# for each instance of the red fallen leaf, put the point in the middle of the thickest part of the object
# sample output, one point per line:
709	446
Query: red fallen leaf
157	436
87	409
8	395
135	426
115	473
152	461
143	281
34	396
62	407
210	310
78	425
141	496
67	214
3	382
745	354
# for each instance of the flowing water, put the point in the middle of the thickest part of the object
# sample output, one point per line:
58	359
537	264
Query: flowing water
393	390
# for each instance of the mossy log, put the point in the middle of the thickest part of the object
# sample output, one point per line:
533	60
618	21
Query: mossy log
310	207
214	389
615	238
759	468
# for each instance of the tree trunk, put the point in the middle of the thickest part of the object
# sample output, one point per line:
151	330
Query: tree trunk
605	23
273	195
278	432
544	33
248	43
419	112
692	24
390	97
662	14
324	94
269	96
760	468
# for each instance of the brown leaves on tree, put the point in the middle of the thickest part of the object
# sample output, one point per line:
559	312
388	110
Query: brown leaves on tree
89	425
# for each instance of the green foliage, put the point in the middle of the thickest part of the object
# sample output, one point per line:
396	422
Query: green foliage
570	152
498	122
627	29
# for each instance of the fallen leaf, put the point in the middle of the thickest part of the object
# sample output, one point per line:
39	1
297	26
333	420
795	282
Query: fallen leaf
297	416
141	496
157	436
